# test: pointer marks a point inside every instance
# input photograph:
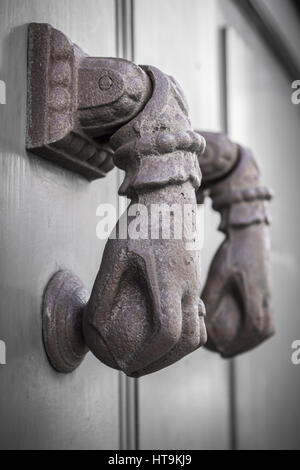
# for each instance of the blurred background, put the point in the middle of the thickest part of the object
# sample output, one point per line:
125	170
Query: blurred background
236	61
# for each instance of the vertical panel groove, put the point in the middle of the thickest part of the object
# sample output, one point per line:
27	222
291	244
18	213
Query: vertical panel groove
128	402
225	126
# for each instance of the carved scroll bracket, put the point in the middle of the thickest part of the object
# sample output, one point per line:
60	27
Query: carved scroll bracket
76	101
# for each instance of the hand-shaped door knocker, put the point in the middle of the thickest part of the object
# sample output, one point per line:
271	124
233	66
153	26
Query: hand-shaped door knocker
237	290
145	313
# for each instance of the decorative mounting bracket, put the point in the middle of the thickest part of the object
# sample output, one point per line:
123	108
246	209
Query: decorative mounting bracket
73	101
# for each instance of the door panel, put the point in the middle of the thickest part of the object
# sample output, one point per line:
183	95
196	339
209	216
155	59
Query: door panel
263	117
48	222
186	406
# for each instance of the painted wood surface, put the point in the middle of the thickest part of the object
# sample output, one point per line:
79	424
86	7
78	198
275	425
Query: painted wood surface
263	117
48	222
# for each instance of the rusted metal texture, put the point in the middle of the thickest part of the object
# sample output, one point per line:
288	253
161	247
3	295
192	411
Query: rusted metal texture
237	290
144	312
64	302
76	101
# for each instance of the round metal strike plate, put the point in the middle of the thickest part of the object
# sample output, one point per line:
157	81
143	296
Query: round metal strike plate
64	301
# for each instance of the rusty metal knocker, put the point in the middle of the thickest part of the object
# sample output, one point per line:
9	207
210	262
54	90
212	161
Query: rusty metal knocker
237	290
88	114
144	311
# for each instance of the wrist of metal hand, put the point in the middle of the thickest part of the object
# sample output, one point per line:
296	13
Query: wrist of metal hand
242	208
240	196
244	214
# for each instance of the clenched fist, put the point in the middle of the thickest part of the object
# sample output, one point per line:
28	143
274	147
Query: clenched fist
237	290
